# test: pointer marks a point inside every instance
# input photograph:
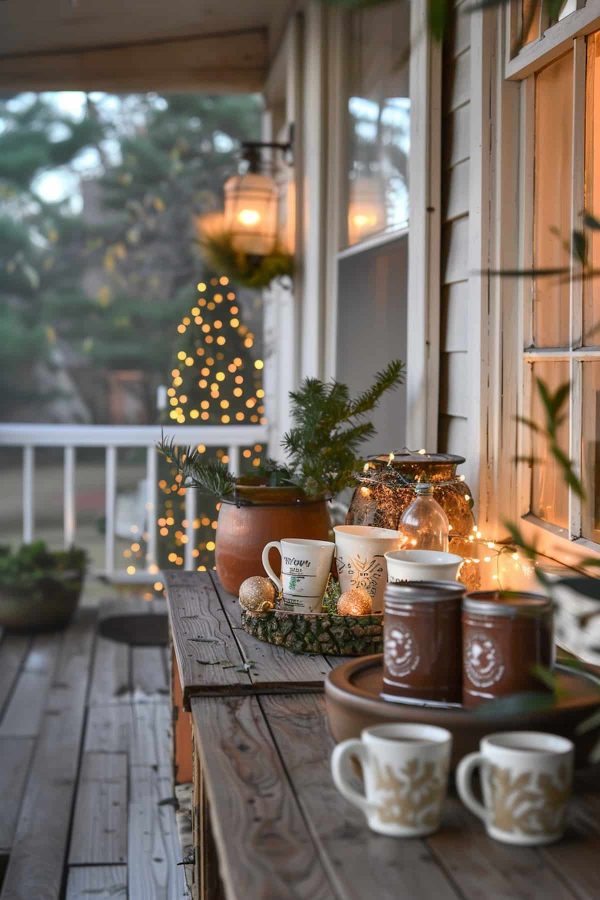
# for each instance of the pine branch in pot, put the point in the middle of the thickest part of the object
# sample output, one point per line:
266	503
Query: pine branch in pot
283	500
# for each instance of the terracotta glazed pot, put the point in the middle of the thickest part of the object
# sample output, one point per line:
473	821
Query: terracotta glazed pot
258	515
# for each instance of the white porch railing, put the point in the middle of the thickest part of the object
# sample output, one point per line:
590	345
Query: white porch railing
28	437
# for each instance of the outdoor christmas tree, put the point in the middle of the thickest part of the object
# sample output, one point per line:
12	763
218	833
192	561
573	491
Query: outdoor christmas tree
216	379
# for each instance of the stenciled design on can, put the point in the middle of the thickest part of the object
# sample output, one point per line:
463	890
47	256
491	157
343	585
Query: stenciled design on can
401	651
364	573
483	660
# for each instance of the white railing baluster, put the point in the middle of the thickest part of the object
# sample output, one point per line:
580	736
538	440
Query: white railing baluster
69	496
151	506
110	506
28	507
190	530
234	459
30	436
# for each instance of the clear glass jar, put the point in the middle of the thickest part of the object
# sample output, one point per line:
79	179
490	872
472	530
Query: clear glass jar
424	522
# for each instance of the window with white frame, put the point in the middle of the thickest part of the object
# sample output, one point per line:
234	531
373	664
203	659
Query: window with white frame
559	67
378	121
372	243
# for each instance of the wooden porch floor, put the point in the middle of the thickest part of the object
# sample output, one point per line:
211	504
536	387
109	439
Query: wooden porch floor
86	807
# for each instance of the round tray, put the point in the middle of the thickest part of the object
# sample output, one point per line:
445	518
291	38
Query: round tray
317	632
353	699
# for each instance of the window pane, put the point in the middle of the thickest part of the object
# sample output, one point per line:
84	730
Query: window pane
378	121
591	293
552	199
549	500
530	20
590	450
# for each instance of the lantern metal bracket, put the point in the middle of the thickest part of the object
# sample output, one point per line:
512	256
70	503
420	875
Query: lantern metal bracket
251	150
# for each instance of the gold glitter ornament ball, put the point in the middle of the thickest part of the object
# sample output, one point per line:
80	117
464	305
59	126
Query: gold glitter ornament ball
355	602
257	594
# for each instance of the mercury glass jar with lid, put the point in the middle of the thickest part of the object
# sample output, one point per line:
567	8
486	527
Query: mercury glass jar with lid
386	487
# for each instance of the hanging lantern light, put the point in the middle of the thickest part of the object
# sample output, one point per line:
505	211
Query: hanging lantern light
251	203
366	212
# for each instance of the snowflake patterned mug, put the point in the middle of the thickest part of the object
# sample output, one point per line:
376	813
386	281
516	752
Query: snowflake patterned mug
526	780
405	774
360	558
305	568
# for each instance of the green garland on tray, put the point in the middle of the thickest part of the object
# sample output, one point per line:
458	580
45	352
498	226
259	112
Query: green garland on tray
248	270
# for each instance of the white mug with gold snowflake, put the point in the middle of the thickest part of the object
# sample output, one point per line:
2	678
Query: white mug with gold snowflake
526	778
405	774
360	560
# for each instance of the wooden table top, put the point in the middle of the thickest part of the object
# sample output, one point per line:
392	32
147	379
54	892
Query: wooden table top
283	831
215	656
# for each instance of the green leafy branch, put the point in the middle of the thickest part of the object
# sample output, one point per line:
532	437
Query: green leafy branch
213	477
323	444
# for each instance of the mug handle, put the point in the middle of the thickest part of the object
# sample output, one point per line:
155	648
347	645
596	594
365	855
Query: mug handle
267	565
464	774
341	770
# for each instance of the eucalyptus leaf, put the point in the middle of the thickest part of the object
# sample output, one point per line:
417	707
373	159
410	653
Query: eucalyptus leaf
515	704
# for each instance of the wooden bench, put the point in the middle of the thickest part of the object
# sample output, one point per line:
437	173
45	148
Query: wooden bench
269	823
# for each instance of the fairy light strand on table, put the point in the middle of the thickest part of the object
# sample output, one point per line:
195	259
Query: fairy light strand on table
493	552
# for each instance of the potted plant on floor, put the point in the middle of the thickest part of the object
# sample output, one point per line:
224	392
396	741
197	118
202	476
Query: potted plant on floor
39	588
287	499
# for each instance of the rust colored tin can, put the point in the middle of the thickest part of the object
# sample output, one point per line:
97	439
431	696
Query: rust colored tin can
504	636
422	640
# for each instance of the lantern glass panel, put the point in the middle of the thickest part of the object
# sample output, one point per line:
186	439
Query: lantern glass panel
251	213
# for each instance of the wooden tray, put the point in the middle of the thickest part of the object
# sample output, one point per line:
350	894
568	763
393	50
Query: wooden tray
317	632
353	700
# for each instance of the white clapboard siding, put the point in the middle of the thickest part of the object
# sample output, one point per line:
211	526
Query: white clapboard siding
454	406
454	319
454	432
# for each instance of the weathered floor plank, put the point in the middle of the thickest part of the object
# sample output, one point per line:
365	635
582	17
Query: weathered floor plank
97	883
262	839
99	833
148	673
23	713
386	867
110	673
142	730
13	651
36	864
154	851
15	757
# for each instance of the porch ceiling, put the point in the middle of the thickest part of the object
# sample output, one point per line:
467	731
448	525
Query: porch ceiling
220	44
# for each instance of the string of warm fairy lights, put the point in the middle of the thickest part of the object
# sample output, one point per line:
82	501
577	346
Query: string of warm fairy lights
207	385
493	552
